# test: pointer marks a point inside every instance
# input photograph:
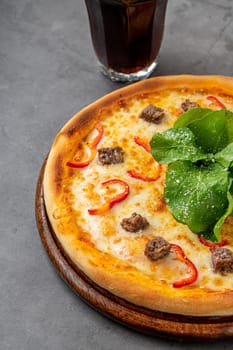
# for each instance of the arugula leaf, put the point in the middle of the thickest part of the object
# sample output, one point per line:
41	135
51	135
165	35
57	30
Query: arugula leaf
213	234
229	125
220	222
210	236
196	196
192	114
175	144
211	131
225	156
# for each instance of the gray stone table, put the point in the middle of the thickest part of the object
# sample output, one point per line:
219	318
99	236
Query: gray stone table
47	73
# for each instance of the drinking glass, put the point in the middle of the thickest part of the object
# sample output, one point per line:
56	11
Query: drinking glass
126	36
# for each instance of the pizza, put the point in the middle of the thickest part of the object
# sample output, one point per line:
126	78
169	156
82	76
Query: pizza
104	197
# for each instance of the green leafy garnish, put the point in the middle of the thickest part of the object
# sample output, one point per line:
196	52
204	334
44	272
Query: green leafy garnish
175	144
203	122
224	157
199	153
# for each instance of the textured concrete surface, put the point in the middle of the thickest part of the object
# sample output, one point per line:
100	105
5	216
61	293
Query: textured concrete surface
47	73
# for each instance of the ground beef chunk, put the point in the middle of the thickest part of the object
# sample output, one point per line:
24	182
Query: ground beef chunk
157	248
110	155
222	260
152	114
134	223
187	104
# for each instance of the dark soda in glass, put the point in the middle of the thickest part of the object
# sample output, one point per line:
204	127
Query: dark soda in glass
126	34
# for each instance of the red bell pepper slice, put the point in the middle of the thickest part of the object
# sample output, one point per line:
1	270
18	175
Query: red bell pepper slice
133	173
84	163
216	101
142	177
210	244
97	139
191	267
143	143
93	146
118	198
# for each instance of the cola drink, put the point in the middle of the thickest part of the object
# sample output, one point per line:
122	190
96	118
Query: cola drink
126	34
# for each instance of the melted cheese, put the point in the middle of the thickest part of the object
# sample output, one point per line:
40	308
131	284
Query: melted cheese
145	198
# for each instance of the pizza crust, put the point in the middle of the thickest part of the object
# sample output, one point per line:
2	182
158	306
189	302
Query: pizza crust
107	271
128	283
